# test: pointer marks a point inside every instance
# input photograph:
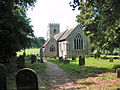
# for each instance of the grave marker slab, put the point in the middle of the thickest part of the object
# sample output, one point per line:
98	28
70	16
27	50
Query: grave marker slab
81	61
33	59
26	79
61	59
73	58
118	72
66	61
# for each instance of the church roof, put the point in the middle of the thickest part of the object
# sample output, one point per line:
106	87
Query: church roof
59	35
66	34
46	42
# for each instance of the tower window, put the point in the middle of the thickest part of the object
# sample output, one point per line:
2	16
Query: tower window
52	48
78	42
54	30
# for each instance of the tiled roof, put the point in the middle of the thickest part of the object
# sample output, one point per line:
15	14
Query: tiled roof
66	34
46	42
59	35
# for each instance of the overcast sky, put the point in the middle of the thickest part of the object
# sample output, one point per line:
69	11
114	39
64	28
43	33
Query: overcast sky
51	11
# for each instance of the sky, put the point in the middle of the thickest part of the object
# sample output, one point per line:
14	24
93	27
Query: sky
51	11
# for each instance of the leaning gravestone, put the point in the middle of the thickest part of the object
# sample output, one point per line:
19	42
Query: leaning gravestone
26	79
21	62
3	80
118	72
81	61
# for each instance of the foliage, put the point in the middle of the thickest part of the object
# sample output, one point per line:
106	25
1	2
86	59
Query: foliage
15	30
38	42
101	20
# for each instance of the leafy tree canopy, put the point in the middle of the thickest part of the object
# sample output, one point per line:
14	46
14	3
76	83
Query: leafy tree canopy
38	42
101	20
15	30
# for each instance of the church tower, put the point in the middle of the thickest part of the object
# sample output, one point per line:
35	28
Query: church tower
53	29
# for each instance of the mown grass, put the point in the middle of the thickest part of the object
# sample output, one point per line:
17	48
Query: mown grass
92	65
84	75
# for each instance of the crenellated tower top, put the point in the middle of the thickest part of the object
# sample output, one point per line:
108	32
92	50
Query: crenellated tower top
53	29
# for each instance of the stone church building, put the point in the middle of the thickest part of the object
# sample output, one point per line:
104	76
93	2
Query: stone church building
67	44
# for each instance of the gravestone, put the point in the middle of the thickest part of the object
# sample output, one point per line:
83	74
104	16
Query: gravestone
111	60
118	72
73	58
40	60
21	62
54	57
3	80
61	59
41	52
66	61
81	61
26	79
33	59
97	55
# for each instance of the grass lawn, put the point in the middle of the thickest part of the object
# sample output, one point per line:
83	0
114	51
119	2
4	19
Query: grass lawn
30	51
96	74
92	65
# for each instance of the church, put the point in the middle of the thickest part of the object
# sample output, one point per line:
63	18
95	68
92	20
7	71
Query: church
67	44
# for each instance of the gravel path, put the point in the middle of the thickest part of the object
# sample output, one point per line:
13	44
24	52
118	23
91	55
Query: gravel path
58	78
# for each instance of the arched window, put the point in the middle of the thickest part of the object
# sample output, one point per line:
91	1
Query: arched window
78	42
52	48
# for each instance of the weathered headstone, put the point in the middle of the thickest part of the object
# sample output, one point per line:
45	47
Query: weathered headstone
61	59
118	72
3	80
73	58
20	62
66	61
26	79
111	60
81	61
97	55
54	57
33	59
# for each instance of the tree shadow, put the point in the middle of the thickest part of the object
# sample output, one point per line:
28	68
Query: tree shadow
87	71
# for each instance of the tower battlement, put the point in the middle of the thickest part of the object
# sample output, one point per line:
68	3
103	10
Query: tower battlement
53	29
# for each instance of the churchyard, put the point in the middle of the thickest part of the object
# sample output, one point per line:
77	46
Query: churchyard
95	74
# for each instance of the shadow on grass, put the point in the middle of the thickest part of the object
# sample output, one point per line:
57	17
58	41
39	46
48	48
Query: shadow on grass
116	66
87	83
81	72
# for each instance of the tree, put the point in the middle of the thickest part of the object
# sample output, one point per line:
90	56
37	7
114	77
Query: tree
38	42
101	20
15	30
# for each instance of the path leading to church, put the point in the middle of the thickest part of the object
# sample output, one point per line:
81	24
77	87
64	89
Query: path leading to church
58	78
